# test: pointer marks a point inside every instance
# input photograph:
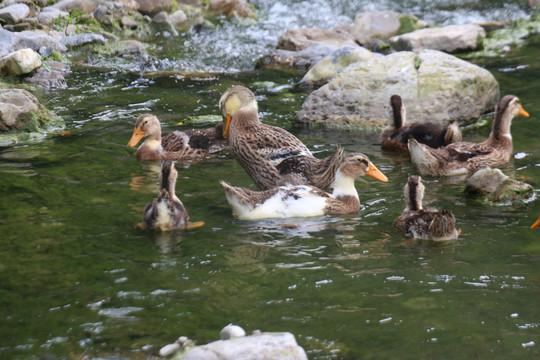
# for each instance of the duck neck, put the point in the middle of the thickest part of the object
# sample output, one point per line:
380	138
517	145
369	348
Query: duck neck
414	198
501	126
343	186
247	116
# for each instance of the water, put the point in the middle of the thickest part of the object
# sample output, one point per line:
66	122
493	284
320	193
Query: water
78	278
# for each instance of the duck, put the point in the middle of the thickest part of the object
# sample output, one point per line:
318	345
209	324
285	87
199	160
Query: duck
536	224
189	144
396	134
304	200
424	223
463	158
270	155
167	212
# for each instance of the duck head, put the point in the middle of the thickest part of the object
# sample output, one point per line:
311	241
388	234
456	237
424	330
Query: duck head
507	108
357	164
414	193
235	98
147	125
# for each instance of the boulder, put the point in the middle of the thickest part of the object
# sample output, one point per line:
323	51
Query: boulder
152	7
450	39
128	22
34	40
497	187
261	346
333	64
302	60
236	8
435	87
50	75
299	39
19	62
48	15
87	6
20	110
130	4
178	18
161	23
83	39
14	14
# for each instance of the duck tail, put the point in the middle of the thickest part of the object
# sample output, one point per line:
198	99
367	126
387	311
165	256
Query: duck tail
453	133
326	170
443	226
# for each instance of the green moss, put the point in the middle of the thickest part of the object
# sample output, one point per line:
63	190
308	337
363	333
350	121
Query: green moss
407	24
56	56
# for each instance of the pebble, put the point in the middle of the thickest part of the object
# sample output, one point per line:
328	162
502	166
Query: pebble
231	331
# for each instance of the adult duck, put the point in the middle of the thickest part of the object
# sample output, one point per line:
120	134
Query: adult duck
189	144
467	157
396	135
270	155
304	200
424	223
166	212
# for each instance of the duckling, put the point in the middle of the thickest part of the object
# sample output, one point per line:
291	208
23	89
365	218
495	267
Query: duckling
466	157
188	144
304	200
167	211
397	133
424	223
536	224
270	155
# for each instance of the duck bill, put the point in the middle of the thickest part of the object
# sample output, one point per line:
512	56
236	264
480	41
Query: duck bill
522	112
376	173
226	125
135	138
536	225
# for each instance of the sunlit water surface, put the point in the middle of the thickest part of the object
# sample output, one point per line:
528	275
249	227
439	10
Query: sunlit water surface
77	277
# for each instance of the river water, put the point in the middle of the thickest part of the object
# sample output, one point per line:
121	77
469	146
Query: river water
78	278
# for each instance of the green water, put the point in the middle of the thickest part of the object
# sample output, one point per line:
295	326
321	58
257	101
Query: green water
77	278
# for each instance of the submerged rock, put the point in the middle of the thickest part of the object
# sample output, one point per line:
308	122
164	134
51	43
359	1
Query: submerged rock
497	187
19	62
50	75
450	39
434	86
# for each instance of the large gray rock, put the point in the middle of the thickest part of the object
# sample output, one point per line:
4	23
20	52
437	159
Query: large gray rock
497	187
48	15
87	6
19	62
10	41
13	14
299	39
450	39
83	39
279	346
20	110
434	86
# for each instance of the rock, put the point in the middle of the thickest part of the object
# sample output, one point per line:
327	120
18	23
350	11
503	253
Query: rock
280	346
533	3
128	22
169	349
19	62
162	23
130	4
236	8
101	14
302	60
83	39
498	187
450	39
372	26
152	7
178	18
20	110
48	15
131	48
300	39
231	331
333	64
87	6
434	86
13	14
50	75
34	40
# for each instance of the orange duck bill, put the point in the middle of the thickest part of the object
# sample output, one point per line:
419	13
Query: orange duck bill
536	225
376	173
226	125
135	138
522	112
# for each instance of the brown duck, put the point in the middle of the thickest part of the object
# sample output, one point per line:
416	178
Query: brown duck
396	135
167	211
270	155
467	157
424	223
304	200
188	144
